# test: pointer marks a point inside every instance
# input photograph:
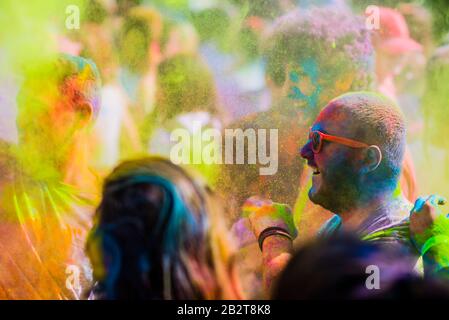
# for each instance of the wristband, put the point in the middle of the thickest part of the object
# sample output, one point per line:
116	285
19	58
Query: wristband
272	231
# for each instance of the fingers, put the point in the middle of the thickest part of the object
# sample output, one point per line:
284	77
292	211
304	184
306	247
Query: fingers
434	200
263	213
419	203
254	204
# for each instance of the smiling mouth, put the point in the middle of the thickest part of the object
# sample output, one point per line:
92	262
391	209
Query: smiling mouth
316	171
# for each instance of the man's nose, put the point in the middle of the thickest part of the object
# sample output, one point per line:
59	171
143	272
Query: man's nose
306	151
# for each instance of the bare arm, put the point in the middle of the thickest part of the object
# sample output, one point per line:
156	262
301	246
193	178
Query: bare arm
277	246
276	253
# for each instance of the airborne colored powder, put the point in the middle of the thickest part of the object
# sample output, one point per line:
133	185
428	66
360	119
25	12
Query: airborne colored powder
87	84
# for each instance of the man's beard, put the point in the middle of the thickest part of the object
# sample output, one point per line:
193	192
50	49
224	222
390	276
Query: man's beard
339	190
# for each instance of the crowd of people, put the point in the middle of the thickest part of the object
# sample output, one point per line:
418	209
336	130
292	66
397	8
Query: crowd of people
92	205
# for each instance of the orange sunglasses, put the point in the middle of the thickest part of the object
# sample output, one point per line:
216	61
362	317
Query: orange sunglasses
317	137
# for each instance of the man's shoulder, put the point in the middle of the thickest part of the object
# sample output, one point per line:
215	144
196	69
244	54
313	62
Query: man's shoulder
391	228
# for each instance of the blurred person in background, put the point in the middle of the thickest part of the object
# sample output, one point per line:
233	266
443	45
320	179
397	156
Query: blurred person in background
186	98
394	50
419	22
115	125
138	42
345	268
230	44
159	234
48	201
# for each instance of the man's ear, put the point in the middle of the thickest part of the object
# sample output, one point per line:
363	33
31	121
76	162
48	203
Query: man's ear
372	158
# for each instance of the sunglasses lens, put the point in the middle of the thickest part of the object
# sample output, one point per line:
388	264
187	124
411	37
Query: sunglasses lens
316	141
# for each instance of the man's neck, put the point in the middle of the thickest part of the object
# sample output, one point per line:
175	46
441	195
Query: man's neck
378	205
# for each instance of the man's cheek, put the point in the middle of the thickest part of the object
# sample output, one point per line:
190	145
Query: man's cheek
338	172
332	164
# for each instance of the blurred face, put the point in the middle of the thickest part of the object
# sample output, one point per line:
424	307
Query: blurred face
336	179
73	108
134	50
307	88
302	85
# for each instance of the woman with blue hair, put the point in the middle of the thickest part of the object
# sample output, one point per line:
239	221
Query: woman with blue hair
159	234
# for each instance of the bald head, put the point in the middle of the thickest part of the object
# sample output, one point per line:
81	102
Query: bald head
373	119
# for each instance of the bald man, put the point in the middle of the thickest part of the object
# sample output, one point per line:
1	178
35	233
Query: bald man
355	148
